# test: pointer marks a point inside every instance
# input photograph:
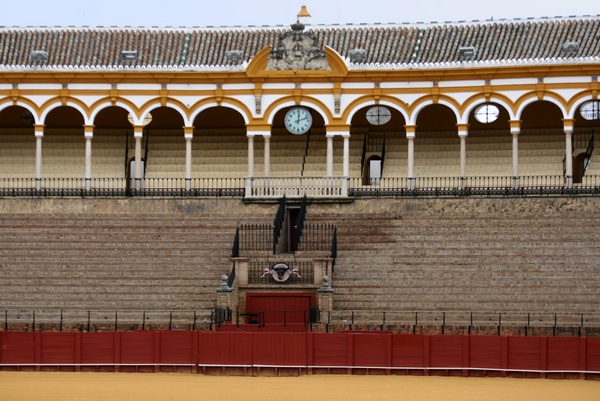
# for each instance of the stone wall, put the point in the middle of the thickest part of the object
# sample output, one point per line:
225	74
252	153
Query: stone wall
527	258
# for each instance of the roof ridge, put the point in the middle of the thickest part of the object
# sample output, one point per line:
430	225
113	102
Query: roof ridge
308	26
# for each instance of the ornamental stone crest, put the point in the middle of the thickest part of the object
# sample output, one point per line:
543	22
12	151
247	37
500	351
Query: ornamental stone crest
297	50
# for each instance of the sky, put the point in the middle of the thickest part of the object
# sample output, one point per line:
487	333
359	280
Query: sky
216	13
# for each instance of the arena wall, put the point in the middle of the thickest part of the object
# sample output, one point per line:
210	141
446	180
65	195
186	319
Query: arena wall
298	353
528	259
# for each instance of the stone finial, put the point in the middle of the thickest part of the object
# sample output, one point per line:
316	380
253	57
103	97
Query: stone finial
304	16
325	287
224	287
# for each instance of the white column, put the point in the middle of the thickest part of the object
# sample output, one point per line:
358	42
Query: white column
346	162
410	173
88	161
250	156
329	155
463	156
569	156
515	130
39	134
188	160
267	139
463	132
138	156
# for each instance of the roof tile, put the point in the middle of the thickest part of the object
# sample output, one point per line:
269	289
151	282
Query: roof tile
394	44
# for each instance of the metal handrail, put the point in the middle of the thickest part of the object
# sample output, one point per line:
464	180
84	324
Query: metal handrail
236	187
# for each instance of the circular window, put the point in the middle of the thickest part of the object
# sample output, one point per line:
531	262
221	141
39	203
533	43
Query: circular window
590	110
486	113
378	115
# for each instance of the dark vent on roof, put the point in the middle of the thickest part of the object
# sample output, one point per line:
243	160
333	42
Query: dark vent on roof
39	55
570	47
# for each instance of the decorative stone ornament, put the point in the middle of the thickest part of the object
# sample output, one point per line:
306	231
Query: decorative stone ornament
280	272
297	50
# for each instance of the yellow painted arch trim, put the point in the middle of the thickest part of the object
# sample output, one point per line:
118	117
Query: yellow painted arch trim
320	106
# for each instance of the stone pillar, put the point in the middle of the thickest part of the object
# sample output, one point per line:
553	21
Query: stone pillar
329	155
325	299
138	134
346	161
89	134
224	295
267	139
250	155
410	136
463	132
39	135
188	133
569	128
515	130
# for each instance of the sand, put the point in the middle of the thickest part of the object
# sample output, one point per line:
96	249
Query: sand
57	386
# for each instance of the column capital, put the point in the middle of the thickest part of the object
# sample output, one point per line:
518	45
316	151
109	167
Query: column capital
463	129
515	126
38	129
410	131
250	134
337	129
88	131
138	131
569	125
258	128
188	130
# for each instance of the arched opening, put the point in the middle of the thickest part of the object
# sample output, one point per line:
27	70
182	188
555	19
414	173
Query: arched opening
297	153
542	141
131	176
580	164
489	142
162	148
220	145
587	124
110	152
437	144
378	137
373	169
17	159
64	144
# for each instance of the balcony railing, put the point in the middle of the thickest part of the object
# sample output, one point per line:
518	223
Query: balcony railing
297	187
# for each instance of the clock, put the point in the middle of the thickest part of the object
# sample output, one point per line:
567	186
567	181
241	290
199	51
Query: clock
590	110
378	115
486	113
298	120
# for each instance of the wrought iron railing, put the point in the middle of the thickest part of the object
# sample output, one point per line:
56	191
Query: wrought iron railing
278	223
316	237
333	251
550	323
300	220
235	248
256	238
314	187
472	186
553	321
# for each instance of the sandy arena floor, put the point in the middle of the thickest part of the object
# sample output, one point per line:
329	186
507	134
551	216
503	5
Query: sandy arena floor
50	386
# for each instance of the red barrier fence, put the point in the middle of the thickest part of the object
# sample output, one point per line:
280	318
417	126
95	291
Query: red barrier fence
296	353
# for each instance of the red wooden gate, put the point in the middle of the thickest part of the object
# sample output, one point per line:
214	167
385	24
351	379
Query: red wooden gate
279	308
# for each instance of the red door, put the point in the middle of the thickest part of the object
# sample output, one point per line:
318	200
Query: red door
278	308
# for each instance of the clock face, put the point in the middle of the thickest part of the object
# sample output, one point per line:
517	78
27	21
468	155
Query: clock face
378	115
590	110
298	120
486	113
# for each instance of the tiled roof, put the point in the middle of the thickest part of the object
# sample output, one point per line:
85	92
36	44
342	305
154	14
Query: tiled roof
411	46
